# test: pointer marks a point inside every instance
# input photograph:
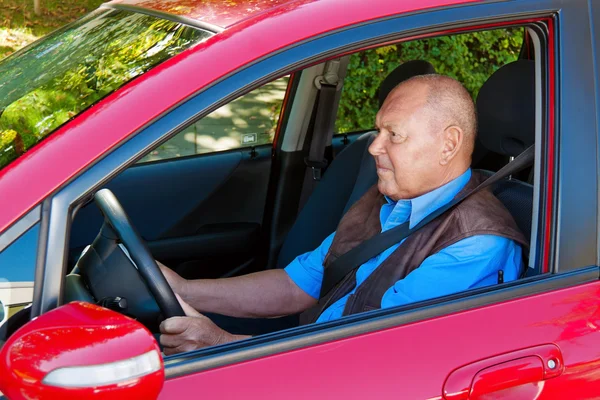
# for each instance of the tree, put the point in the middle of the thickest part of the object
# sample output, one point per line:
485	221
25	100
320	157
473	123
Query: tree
37	7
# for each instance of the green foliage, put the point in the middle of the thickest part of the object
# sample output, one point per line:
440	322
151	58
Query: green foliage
470	58
19	26
7	146
67	72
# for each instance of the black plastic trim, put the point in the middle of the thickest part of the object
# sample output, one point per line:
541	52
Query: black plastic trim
594	17
314	334
163	15
40	267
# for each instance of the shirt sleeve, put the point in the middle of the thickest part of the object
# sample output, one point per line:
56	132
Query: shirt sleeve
470	263
306	270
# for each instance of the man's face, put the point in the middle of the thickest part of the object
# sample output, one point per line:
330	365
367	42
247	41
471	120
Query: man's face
408	146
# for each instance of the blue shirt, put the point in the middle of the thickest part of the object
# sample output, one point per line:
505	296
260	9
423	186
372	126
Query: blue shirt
470	263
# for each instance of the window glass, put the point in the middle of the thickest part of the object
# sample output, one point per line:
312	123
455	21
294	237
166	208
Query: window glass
470	58
250	120
52	81
17	271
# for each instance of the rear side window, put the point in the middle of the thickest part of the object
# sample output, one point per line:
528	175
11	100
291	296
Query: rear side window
248	121
47	84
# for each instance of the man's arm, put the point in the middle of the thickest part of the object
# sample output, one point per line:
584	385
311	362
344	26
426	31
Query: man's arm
470	263
262	294
265	294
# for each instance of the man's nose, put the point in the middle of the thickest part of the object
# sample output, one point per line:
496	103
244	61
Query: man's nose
378	146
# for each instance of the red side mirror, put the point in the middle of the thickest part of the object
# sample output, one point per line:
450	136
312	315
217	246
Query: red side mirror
81	351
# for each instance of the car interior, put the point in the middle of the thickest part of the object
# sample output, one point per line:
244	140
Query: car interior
231	212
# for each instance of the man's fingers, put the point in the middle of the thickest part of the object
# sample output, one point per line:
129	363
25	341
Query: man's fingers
174	325
172	341
189	310
169	351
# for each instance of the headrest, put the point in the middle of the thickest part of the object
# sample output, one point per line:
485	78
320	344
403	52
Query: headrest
402	73
506	109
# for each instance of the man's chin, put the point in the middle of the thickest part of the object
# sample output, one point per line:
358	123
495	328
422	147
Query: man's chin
390	192
384	189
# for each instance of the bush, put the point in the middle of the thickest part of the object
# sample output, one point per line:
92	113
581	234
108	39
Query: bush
470	58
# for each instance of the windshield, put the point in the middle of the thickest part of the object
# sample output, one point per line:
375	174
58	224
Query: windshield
47	84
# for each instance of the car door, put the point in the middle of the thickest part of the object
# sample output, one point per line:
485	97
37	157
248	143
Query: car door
533	338
536	334
198	199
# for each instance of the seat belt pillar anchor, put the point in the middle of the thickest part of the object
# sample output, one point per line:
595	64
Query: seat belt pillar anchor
316	168
316	173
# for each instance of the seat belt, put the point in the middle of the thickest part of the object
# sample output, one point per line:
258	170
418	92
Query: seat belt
316	162
368	249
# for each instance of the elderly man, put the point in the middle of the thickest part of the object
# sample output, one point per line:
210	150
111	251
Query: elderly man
426	132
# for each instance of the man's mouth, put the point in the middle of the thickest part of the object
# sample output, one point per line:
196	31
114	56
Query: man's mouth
382	169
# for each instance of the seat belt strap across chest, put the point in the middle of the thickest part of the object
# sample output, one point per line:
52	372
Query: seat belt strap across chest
368	249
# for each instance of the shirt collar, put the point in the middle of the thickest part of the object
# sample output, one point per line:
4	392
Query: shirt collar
420	207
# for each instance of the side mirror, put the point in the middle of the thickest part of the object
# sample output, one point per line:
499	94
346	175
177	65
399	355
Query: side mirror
81	351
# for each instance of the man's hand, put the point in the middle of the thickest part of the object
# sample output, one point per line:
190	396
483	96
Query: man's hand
179	334
177	283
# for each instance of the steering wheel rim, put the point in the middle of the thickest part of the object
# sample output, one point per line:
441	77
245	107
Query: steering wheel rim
115	216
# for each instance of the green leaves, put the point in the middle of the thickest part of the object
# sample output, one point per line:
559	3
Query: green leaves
63	74
471	58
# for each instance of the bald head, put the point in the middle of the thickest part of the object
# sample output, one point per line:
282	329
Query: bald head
427	128
446	103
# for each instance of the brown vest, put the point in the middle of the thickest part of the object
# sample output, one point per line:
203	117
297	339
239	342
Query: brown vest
479	214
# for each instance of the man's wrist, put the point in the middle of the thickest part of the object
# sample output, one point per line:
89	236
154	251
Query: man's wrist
183	290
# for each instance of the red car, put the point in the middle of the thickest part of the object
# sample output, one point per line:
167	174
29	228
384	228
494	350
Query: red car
198	116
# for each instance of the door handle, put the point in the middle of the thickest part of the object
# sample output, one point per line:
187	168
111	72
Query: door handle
533	364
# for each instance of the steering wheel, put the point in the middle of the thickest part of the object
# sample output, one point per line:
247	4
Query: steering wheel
116	221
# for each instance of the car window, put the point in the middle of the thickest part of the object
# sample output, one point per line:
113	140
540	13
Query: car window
17	271
471	58
250	120
47	84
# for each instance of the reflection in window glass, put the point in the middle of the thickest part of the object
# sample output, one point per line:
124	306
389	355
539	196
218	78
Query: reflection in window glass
250	120
17	271
47	84
17	261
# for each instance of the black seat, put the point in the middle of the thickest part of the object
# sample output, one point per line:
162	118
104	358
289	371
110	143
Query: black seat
506	111
347	179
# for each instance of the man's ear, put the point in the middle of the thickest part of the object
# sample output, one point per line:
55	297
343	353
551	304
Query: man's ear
453	142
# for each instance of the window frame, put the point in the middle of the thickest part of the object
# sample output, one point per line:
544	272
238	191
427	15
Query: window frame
65	201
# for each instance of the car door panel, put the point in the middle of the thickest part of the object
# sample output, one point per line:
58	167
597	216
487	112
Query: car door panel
183	206
204	254
414	360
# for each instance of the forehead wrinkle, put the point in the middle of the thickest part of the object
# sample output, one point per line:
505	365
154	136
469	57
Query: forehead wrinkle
405	103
